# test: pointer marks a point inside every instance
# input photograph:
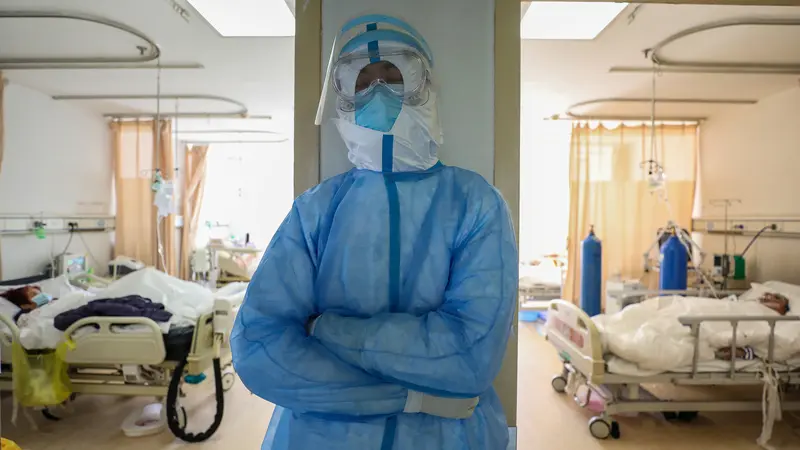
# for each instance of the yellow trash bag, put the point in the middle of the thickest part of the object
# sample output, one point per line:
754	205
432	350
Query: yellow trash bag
5	444
40	377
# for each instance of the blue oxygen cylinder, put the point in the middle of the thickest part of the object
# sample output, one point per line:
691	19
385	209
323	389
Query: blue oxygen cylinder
674	265
591	274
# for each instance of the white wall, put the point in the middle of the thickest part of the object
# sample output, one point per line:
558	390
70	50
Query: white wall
58	161
544	180
250	187
753	154
461	36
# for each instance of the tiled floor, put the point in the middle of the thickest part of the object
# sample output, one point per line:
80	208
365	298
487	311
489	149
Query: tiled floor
547	421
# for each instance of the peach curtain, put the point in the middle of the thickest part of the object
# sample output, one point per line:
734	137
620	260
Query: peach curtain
134	145
609	190
194	177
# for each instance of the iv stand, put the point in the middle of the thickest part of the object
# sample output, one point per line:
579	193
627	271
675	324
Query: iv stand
726	203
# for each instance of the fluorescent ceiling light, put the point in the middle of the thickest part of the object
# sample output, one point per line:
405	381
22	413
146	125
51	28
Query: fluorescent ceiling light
247	18
568	20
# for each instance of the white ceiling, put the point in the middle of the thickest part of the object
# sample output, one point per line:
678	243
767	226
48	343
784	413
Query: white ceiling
259	72
558	74
256	71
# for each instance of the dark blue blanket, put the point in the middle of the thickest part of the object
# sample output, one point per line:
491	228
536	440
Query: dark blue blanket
130	306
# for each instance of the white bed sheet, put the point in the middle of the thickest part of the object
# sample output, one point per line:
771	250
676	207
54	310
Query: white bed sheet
544	275
185	300
647	338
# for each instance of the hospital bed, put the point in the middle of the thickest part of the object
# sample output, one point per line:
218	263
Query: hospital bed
230	264
147	362
586	366
538	284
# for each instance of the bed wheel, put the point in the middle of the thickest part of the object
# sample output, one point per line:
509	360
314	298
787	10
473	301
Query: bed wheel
559	384
615	434
228	380
50	416
601	428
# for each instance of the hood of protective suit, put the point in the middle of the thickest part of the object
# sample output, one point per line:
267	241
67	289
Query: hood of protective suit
412	144
387	135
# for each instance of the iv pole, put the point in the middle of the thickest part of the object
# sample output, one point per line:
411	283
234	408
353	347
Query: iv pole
725	263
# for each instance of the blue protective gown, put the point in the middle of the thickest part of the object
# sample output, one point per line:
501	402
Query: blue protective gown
415	275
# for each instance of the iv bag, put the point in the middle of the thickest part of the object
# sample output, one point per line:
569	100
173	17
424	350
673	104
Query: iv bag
165	199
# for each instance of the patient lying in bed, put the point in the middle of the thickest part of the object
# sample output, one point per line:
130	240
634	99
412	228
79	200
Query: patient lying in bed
184	301
775	302
649	334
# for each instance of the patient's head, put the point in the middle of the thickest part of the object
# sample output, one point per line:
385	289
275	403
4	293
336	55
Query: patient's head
22	297
776	302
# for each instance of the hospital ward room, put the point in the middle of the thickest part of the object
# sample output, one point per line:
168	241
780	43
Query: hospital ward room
287	225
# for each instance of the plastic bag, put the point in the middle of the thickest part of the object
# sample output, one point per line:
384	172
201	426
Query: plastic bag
40	377
6	444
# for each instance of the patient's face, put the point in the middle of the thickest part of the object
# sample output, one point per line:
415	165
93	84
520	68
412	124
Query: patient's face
776	302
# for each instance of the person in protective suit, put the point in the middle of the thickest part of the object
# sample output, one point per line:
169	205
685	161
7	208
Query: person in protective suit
380	313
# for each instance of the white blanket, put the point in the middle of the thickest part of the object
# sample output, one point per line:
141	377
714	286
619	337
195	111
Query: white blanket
649	334
185	300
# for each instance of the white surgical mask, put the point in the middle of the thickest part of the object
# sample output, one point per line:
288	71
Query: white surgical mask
414	143
41	299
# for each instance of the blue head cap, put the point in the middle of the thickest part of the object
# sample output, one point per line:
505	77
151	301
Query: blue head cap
383	28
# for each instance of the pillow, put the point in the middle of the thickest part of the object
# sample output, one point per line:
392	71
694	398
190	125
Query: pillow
790	291
57	287
8	309
755	292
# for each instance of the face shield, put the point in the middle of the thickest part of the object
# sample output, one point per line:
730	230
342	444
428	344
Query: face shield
375	55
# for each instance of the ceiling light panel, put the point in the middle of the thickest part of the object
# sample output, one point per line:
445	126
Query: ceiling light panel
247	18
568	20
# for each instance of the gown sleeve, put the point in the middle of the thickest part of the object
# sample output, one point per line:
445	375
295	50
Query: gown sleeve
274	356
457	349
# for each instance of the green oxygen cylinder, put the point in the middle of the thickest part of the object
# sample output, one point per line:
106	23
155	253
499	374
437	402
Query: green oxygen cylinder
739	272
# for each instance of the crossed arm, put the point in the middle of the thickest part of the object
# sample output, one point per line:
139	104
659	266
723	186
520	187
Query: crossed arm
366	366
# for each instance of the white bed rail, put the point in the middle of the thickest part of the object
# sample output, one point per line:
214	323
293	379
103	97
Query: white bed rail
576	337
695	323
109	343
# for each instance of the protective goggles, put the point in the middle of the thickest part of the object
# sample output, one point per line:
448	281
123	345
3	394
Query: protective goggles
402	72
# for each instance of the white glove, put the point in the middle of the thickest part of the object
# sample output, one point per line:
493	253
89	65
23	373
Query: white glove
448	408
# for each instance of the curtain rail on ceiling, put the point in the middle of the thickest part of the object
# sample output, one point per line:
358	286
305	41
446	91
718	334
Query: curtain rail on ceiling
704	70
764	68
570	115
645	119
186	66
242	112
195	142
224	131
42	63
